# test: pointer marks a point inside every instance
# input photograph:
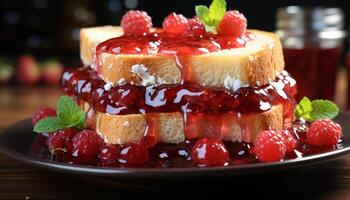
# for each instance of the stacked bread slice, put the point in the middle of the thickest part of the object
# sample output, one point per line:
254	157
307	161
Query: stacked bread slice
256	64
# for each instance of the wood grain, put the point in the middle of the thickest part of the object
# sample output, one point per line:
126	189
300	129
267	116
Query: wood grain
21	181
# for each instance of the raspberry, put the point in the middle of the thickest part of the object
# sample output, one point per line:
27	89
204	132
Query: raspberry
176	24
133	154
232	24
86	144
57	141
269	146
289	140
136	23
196	27
108	155
209	152
42	113
323	132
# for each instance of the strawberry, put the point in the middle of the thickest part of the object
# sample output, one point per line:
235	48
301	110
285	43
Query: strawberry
27	71
51	72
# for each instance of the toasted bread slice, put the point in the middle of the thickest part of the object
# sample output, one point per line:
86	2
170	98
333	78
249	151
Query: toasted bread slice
255	64
121	129
91	37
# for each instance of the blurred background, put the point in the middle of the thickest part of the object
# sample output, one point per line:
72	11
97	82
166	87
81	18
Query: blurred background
48	28
45	33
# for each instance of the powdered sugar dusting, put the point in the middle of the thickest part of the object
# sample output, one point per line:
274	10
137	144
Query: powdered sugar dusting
233	84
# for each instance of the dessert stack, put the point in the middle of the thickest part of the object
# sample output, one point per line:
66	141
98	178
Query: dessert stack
204	87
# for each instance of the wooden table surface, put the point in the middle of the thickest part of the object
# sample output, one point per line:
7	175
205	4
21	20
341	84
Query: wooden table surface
21	181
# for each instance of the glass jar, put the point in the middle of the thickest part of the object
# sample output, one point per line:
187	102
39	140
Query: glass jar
312	41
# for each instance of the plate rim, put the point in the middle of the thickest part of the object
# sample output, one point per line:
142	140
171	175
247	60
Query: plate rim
166	172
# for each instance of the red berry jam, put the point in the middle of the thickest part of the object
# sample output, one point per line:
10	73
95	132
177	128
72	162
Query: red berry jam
163	43
84	84
179	155
205	110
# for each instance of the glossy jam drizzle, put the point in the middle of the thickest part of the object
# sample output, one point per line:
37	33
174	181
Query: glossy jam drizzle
179	155
85	84
162	43
206	111
173	45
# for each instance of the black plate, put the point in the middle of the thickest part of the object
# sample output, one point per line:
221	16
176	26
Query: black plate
16	141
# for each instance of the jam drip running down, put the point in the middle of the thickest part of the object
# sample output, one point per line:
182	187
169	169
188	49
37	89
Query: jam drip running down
179	47
208	112
85	84
179	155
194	102
161	43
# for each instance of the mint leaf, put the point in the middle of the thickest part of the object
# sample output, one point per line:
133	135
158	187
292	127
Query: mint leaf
49	124
203	14
217	10
69	115
79	123
323	109
303	109
211	16
317	109
69	112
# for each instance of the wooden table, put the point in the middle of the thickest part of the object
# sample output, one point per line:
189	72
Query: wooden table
21	181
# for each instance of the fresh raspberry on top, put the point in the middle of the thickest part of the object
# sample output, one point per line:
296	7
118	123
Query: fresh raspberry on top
269	146
58	140
86	144
176	24
196	27
42	113
289	140
209	152
133	154
323	132
136	23
232	24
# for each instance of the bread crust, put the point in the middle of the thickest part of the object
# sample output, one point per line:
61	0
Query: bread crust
92	36
121	129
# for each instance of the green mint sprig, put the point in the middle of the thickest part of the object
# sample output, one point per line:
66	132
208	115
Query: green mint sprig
69	115
211	16
316	109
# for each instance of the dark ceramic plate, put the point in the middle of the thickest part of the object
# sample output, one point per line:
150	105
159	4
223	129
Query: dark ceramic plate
16	141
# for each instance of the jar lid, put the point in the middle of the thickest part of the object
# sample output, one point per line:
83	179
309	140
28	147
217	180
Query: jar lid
325	23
